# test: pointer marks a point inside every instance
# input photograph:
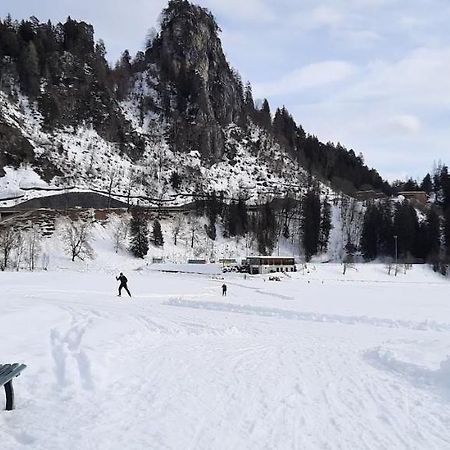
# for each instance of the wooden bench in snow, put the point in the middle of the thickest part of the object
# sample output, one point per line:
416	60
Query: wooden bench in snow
7	373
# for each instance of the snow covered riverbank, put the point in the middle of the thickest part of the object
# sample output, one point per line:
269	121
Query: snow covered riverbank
318	360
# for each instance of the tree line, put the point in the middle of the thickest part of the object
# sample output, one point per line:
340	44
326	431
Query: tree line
308	217
396	227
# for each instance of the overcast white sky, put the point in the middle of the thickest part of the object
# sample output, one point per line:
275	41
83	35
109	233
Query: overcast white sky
371	74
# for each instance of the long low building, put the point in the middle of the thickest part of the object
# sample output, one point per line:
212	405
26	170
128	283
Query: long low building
270	264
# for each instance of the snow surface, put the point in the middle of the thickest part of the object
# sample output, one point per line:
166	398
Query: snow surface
317	360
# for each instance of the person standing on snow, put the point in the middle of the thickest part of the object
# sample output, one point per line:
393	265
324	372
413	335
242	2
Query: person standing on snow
224	290
123	284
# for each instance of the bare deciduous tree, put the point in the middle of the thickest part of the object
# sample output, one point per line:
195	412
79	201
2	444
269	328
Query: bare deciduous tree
76	237
33	246
351	222
8	236
112	179
19	249
132	181
176	228
194	227
120	232
45	261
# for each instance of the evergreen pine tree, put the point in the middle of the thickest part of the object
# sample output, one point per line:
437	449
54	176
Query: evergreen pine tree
263	116
427	184
405	227
158	240
369	236
236	219
210	230
437	183
248	100
310	223
29	70
139	233
242	216
386	243
446	230
433	234
445	185
230	220
213	209
325	226
266	229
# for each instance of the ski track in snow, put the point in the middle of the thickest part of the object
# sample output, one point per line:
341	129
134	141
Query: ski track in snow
198	371
311	316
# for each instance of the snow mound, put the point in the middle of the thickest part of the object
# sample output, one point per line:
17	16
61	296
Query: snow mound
418	374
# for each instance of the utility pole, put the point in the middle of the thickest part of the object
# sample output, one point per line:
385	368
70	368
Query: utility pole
395	239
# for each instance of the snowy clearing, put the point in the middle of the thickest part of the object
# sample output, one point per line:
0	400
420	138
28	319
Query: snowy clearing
317	360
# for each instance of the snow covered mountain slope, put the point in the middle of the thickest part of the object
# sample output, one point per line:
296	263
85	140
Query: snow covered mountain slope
169	123
84	160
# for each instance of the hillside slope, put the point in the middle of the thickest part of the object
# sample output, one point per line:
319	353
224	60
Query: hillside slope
171	122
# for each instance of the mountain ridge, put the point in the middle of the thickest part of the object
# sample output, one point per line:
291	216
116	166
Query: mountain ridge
175	119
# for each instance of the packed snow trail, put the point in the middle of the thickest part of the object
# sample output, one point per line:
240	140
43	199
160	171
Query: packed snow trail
289	365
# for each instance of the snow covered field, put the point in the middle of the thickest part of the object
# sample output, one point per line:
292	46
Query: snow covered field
318	360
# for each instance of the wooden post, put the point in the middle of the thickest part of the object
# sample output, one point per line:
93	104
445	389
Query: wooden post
9	390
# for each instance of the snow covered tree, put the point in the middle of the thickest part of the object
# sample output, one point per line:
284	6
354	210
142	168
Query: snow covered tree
139	233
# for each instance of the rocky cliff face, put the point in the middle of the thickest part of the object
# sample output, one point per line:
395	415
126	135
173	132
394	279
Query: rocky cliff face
208	94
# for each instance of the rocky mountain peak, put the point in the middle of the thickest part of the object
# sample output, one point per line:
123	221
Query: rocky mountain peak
208	93
190	41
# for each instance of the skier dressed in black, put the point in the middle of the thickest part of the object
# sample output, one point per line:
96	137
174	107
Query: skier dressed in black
123	283
224	290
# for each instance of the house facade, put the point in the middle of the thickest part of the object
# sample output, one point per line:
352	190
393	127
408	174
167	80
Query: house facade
271	264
